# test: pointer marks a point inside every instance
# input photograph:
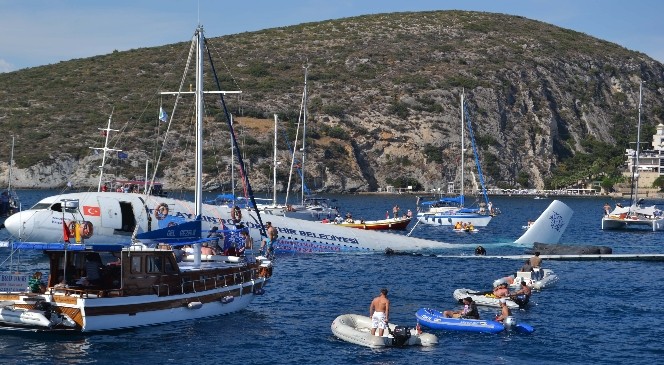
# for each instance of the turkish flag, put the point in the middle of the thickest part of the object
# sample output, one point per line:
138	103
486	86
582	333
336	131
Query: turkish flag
90	210
65	232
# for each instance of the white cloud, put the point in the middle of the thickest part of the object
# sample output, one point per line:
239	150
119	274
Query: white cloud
6	66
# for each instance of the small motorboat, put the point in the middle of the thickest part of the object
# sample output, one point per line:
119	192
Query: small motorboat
537	279
489	300
465	230
355	328
435	320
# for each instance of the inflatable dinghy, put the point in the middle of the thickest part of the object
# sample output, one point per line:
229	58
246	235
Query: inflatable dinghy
433	319
356	329
537	279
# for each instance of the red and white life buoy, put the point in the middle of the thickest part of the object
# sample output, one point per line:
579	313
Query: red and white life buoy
236	214
161	211
86	229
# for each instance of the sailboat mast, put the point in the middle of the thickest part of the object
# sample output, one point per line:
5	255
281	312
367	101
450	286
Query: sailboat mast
11	166
635	175
463	149
107	132
232	163
274	163
304	127
199	123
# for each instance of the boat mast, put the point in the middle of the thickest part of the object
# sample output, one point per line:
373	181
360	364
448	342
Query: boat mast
274	177
463	148
232	163
304	126
199	123
635	172
11	166
107	132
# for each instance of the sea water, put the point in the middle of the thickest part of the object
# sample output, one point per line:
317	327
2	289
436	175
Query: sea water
600	312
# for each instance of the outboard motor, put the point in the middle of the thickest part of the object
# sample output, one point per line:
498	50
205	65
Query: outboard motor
509	322
401	335
522	300
45	307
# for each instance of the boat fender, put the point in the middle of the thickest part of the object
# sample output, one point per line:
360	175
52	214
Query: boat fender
194	305
509	322
227	299
401	335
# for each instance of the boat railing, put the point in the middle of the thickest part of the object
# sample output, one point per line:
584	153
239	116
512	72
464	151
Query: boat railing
218	281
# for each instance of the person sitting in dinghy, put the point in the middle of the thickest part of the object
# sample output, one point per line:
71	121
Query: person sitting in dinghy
524	290
502	291
469	310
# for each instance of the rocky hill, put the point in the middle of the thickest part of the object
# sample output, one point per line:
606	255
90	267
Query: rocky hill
549	106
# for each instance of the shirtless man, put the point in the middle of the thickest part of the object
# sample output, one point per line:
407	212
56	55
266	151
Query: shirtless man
536	261
504	311
501	291
267	245
379	312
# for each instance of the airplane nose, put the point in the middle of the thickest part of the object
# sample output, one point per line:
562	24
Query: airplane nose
18	225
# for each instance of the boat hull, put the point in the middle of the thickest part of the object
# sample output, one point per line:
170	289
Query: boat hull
477	220
618	222
482	299
434	319
356	329
532	279
383	224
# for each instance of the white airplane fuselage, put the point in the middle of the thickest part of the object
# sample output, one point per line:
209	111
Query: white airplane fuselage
115	216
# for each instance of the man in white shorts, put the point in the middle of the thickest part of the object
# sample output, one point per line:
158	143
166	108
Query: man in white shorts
379	312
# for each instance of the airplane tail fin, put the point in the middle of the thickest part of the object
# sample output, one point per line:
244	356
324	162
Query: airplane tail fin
550	225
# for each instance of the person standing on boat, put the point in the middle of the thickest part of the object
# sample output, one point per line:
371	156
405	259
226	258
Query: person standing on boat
395	210
607	209
35	284
379	312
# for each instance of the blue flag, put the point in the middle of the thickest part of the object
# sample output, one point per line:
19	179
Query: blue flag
162	115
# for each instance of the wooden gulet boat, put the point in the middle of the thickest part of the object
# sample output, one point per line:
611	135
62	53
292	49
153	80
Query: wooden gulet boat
144	286
110	286
383	224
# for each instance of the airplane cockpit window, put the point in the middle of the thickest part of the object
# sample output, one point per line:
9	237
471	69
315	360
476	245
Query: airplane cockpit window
40	206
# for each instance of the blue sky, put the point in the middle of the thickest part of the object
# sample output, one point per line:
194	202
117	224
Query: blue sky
42	32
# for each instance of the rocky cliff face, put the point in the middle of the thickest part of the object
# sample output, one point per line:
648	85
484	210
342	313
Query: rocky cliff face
383	104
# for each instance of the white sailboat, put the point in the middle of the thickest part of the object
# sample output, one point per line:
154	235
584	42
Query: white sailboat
635	215
451	211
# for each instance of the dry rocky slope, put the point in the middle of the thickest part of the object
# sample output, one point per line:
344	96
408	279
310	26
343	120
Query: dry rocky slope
383	104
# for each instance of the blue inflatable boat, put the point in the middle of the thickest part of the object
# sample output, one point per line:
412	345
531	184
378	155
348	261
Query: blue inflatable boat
434	319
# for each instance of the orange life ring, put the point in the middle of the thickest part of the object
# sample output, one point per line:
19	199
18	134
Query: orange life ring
236	214
72	228
161	211
86	229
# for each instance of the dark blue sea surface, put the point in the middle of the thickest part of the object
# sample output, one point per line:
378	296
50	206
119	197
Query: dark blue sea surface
601	312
